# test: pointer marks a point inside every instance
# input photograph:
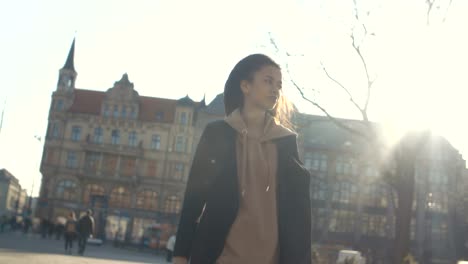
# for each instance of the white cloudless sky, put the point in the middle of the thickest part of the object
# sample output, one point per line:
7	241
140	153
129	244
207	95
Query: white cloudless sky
174	48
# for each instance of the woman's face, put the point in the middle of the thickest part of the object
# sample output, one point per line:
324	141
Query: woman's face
264	90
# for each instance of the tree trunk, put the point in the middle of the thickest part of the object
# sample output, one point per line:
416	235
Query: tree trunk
405	190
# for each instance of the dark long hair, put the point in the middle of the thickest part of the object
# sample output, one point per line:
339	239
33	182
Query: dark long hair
245	70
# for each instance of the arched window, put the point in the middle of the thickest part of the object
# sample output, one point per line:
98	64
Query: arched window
120	197
92	189
172	204
147	200
67	190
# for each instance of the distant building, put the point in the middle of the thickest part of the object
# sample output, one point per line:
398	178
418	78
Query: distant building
354	206
12	197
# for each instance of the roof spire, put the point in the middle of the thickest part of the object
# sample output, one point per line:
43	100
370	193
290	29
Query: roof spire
69	64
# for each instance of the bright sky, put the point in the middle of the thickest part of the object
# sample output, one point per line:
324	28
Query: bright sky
174	48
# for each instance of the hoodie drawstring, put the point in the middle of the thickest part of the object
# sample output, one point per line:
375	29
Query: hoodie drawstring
245	163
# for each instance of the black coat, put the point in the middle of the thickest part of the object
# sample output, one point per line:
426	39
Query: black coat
86	225
213	183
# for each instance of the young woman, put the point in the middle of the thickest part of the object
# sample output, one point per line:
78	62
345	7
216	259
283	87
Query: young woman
70	232
247	197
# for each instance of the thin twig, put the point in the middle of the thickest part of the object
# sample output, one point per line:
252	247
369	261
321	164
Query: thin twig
329	116
351	98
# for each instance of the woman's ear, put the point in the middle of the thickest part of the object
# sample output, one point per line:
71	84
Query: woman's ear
245	87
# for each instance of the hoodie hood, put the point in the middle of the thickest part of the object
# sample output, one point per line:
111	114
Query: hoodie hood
271	131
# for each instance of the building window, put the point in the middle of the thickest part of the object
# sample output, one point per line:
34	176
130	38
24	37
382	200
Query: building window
115	137
183	118
92	161
159	116
179	171
50	157
55	130
344	192
106	111
172	204
90	190
155	142
109	164
98	135
59	105
132	139
76	133
120	197
180	144
67	190
318	189
147	200
128	166
124	111
342	221
133	113
152	167
316	161
376	196
71	160
116	111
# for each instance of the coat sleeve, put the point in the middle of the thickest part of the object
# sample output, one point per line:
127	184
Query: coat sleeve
194	198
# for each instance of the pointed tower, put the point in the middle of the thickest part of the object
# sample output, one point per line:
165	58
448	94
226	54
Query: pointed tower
67	75
62	98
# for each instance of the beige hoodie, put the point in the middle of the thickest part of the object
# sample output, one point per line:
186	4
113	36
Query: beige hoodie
253	237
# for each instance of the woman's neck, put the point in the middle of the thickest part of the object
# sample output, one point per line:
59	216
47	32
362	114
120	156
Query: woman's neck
254	119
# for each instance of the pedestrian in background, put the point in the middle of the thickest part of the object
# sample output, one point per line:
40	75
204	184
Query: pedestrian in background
170	247
85	230
70	232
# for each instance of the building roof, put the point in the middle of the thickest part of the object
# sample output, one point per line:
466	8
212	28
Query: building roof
69	64
90	102
7	176
186	101
87	102
216	107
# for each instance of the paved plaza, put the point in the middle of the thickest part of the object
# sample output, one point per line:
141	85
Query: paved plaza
17	248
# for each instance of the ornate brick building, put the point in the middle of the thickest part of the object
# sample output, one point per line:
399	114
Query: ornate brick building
125	155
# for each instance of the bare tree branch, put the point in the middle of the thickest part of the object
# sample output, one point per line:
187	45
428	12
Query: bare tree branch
446	10
329	116
351	98
430	4
369	80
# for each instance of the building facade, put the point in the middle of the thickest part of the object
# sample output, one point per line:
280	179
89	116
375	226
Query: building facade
13	199
353	206
124	155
